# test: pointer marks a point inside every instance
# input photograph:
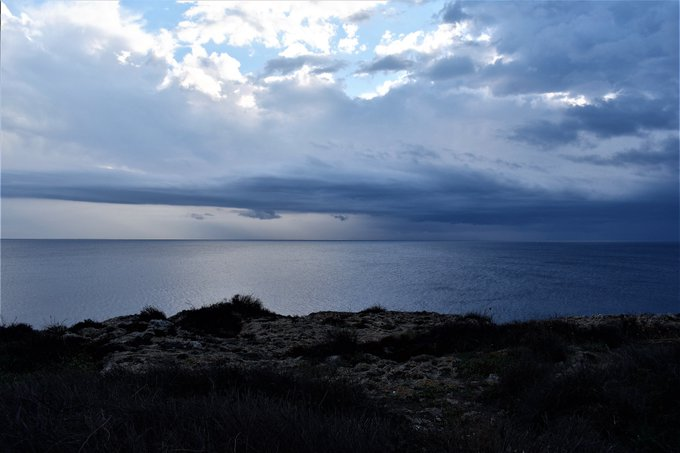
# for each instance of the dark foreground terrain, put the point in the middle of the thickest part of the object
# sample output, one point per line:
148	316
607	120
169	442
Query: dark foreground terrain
236	377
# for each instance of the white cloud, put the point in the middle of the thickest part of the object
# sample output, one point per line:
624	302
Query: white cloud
565	98
304	77
388	85
444	37
350	44
206	73
297	28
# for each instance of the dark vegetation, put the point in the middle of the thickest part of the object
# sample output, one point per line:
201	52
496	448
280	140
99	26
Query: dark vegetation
622	395
626	402
213	410
548	339
149	312
374	309
223	318
86	324
559	387
339	341
23	349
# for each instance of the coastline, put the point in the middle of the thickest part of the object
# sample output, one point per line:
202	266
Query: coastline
446	377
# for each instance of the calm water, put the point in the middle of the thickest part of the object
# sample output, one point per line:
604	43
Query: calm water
67	281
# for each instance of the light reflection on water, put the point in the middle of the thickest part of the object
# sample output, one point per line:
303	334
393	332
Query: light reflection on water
67	281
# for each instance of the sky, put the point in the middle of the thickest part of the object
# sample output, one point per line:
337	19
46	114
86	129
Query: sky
340	120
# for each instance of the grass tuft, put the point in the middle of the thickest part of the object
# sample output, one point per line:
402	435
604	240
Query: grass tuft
203	410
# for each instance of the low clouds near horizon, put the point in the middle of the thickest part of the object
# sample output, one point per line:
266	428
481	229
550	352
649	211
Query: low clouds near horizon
445	120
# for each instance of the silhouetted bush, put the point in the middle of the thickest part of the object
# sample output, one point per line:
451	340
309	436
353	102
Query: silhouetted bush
222	318
250	307
55	329
87	323
149	312
16	331
23	349
374	309
216	319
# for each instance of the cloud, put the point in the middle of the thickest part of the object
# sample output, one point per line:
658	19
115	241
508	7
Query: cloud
546	134
196	216
453	12
318	65
453	196
447	68
227	107
297	28
387	63
261	214
341	217
625	115
664	155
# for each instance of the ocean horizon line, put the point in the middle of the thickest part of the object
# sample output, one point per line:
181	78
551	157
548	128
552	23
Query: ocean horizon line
509	241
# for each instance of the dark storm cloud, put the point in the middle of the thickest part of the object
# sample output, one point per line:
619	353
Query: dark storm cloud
628	115
286	66
545	134
388	63
452	196
562	46
663	155
453	12
447	68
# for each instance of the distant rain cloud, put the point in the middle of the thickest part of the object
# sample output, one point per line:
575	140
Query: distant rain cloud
259	214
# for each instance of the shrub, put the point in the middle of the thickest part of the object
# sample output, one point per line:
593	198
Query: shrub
23	349
222	318
87	323
55	329
15	331
374	309
250	307
149	312
215	319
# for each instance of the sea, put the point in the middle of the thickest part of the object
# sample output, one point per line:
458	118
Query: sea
64	281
